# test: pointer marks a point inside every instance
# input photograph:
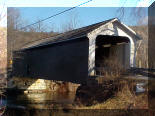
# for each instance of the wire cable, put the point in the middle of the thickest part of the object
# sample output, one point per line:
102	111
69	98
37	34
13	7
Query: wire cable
56	14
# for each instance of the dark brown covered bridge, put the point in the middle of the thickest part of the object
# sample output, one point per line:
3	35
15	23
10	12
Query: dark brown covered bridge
71	56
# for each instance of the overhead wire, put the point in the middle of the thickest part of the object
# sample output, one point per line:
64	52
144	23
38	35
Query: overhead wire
55	14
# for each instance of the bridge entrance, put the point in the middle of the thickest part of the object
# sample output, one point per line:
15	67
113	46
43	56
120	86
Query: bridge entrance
111	50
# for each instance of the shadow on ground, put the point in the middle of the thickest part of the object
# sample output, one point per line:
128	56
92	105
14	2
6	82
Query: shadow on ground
143	71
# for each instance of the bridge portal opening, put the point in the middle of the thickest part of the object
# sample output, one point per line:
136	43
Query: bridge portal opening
110	49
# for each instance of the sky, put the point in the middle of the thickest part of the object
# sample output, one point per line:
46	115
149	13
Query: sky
85	16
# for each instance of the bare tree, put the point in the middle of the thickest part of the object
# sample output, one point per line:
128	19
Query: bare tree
135	14
2	13
71	23
3	49
40	27
3	57
139	15
13	18
14	22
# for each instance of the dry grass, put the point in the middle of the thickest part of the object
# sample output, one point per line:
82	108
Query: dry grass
125	98
111	68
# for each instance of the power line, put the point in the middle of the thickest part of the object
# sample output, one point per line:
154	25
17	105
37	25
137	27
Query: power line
56	14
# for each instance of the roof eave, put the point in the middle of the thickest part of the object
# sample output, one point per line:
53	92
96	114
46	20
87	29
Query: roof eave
23	49
131	30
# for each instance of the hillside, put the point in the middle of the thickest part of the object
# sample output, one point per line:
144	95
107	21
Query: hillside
18	39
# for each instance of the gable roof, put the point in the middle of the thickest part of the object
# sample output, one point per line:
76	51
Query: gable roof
74	34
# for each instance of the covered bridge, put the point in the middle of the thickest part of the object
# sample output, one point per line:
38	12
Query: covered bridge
73	56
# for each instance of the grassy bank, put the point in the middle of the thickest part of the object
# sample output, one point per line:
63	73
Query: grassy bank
124	98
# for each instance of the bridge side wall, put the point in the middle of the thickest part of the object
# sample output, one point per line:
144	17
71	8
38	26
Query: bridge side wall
65	61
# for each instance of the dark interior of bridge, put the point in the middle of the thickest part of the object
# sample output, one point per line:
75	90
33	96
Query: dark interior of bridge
103	45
